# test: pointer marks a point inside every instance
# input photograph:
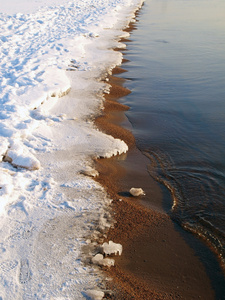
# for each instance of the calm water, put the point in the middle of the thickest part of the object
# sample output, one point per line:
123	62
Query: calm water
177	78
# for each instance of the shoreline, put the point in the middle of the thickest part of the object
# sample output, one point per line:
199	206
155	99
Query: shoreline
158	260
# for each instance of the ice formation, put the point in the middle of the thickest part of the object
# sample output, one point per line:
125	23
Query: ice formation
20	156
99	259
90	171
137	192
112	248
95	294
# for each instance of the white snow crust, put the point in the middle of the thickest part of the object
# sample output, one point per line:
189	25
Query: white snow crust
112	248
53	54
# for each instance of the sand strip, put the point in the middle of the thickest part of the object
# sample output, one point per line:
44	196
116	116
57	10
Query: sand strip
159	260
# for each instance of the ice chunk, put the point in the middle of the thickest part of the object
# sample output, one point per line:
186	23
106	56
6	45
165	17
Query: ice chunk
20	156
108	262
117	147
137	192
112	248
94	294
99	259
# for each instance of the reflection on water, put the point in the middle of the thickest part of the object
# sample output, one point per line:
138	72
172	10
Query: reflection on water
177	61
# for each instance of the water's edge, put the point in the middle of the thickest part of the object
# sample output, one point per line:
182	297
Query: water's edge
203	253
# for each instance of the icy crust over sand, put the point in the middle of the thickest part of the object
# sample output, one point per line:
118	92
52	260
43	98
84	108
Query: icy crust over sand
52	61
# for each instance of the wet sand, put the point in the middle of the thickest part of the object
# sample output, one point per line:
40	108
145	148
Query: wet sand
159	259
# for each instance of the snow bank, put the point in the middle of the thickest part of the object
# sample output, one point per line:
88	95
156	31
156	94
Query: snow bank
38	50
53	54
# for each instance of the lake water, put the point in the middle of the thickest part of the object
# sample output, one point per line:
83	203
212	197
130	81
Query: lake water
177	108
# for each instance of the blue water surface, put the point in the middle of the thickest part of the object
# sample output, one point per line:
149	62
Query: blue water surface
177	108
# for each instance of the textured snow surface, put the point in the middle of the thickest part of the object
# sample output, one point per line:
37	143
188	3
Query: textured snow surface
53	54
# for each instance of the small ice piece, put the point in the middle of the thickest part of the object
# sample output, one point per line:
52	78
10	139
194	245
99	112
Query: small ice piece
88	171
99	259
94	294
112	248
18	155
137	192
108	262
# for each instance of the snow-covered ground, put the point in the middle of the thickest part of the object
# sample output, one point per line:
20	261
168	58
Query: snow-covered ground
53	54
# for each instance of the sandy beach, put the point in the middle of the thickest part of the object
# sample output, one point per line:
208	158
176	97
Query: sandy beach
61	123
159	260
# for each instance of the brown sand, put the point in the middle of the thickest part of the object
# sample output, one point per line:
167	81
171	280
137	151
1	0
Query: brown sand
157	261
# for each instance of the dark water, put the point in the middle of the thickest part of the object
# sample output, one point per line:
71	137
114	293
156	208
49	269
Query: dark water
177	78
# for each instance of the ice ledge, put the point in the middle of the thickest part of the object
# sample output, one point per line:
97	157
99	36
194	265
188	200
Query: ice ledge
118	147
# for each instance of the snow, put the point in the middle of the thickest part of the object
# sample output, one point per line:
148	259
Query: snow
53	56
112	248
94	294
89	171
98	259
19	156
